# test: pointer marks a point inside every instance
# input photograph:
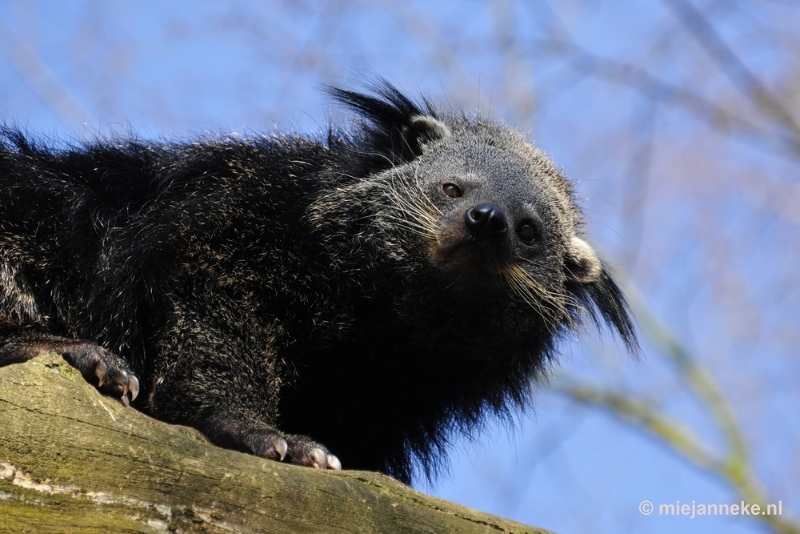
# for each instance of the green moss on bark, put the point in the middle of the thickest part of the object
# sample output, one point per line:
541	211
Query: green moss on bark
72	460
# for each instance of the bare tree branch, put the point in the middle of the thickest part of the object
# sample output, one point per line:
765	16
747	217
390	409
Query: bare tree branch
734	465
41	80
734	68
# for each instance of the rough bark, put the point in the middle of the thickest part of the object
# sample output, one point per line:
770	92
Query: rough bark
72	460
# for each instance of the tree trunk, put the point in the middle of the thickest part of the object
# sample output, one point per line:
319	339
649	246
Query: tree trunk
73	460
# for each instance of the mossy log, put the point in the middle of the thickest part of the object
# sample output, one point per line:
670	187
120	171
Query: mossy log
73	460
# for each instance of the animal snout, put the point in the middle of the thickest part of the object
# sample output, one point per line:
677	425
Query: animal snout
486	221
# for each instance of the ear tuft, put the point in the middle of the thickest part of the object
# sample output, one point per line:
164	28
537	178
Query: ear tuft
392	124
582	264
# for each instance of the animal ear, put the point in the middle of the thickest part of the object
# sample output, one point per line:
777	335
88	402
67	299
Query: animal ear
395	126
582	264
423	129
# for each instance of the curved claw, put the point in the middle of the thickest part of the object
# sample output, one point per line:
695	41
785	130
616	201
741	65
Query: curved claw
101	370
281	446
122	383
133	387
334	463
319	459
323	460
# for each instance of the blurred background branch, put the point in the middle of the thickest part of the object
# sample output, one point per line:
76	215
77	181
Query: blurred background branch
733	464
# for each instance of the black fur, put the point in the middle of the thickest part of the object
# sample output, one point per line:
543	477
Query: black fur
272	288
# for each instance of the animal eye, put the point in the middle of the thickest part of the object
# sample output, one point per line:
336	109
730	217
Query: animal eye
527	232
451	190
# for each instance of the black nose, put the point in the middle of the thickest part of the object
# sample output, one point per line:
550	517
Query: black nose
486	221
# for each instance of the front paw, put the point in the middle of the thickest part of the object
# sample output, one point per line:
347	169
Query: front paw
299	450
268	442
106	370
99	366
303	451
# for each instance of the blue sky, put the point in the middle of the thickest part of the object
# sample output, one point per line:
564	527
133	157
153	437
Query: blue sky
703	220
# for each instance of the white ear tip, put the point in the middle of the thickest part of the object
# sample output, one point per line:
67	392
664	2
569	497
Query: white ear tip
433	128
584	256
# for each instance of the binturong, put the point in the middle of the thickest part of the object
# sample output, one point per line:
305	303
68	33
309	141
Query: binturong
349	299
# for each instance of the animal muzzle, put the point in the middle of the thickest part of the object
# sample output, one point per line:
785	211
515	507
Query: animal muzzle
486	222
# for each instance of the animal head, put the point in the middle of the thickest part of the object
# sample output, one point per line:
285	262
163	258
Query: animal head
476	223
